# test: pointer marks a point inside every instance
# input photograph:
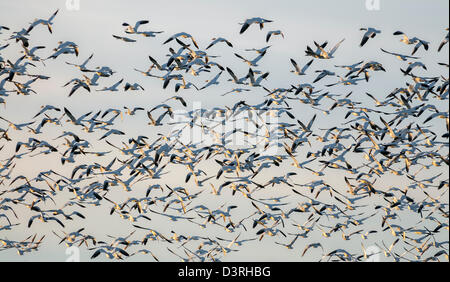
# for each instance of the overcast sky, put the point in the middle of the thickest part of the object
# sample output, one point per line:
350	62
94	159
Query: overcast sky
302	22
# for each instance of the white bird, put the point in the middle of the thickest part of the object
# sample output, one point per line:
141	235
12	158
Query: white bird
444	42
82	67
123	38
182	35
214	81
134	87
299	71
112	131
253	62
218	40
134	29
48	22
409	41
272	33
322	54
370	33
249	22
114	87
399	56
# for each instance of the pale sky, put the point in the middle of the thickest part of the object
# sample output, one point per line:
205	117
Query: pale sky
302	22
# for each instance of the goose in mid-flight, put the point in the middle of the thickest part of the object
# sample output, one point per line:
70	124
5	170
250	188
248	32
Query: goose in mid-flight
256	82
112	88
321	53
21	36
3	28
125	39
299	71
48	22
214	81
400	56
17	126
252	63
29	54
249	22
323	74
370	33
218	40
134	29
82	67
78	83
410	41
272	33
134	87
236	90
444	42
413	66
259	51
182	35
64	45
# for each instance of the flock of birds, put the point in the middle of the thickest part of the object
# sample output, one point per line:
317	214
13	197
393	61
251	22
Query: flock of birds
400	135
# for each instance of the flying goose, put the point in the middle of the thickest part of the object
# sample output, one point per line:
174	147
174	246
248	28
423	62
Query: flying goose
444	42
272	33
112	88
321	53
218	40
249	22
409	41
48	22
125	39
2	27
370	33
299	71
134	29
182	35
400	56
133	87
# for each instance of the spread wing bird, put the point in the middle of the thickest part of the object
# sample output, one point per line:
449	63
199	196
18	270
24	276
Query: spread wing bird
16	126
178	98
272	33
314	245
321	53
370	33
444	42
219	40
82	67
125	39
323	74
400	56
134	29
299	71
214	81
78	83
249	22
409	41
254	62
112	131
413	66
45	109
48	22
182	35
2	27
133	87
113	87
